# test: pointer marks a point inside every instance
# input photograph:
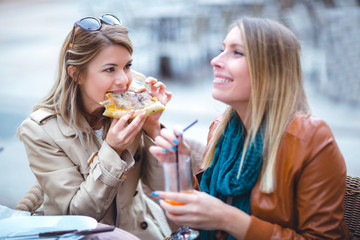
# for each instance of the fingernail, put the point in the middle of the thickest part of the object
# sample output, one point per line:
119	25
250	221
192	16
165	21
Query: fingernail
176	141
173	148
155	194
179	133
165	150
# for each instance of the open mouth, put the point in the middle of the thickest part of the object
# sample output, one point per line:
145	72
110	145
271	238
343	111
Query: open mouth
117	91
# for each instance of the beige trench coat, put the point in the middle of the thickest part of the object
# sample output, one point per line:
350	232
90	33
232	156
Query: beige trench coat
95	181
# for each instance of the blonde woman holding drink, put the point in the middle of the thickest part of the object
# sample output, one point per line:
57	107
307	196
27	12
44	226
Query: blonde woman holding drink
271	170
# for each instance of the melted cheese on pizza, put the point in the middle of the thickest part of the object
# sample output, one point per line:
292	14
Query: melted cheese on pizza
131	100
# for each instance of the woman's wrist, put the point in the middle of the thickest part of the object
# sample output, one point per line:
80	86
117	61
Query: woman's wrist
118	151
153	131
235	222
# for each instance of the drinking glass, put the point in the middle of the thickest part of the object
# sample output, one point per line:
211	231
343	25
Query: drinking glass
138	81
178	178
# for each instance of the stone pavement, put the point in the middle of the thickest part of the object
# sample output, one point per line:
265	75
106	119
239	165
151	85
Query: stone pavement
30	40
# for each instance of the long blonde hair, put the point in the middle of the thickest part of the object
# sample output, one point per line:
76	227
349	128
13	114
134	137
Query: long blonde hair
64	97
273	55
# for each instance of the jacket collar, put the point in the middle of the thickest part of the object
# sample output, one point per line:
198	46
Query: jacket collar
65	128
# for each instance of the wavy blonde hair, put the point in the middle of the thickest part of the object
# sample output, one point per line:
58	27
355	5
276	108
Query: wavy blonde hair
273	55
64	98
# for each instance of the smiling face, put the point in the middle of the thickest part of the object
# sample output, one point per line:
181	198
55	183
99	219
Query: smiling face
231	84
108	71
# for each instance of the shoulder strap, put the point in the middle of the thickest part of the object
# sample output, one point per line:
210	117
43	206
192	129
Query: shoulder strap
41	115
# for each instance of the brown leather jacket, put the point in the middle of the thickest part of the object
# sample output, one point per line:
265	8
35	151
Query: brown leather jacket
307	202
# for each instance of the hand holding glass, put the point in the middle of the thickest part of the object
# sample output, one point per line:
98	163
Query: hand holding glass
178	178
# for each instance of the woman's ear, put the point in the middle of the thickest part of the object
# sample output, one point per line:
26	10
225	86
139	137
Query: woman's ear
72	71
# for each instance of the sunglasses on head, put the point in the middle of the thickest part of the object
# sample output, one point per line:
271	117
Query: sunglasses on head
93	24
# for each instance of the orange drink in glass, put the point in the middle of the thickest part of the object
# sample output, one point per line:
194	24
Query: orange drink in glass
172	202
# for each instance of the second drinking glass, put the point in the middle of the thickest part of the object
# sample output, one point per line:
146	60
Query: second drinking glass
178	178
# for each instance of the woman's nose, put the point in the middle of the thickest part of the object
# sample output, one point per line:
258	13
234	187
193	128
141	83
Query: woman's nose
121	79
217	61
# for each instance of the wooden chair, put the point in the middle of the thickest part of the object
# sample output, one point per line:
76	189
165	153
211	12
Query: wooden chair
352	206
32	200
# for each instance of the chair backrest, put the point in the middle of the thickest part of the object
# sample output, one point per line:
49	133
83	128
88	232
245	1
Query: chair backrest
32	200
352	206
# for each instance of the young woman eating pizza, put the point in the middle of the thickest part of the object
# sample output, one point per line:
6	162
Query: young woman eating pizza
270	170
86	163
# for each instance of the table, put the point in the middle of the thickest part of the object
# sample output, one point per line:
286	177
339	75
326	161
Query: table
117	234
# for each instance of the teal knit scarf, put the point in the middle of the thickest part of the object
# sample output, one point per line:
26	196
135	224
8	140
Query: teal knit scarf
221	179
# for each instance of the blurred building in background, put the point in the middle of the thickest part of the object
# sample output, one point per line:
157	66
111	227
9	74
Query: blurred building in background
340	37
176	39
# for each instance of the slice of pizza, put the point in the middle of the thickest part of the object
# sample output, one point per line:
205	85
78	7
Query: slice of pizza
118	104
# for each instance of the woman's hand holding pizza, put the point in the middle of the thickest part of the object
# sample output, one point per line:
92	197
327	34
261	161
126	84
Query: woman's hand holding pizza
157	89
121	135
